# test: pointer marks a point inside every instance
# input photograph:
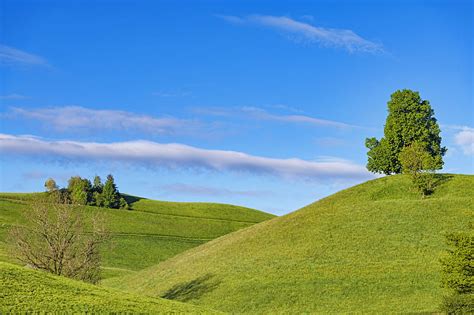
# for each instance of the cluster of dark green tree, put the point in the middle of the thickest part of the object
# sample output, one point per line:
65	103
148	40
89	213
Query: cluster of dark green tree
82	192
458	273
411	143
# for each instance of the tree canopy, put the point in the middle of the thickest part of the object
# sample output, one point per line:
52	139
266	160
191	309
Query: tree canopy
50	185
410	119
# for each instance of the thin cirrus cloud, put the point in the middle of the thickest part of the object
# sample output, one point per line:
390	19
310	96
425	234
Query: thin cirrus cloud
198	190
262	114
14	96
10	55
465	139
179	156
72	118
305	32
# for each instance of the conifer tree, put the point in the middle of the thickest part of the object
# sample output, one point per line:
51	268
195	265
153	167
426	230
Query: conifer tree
110	194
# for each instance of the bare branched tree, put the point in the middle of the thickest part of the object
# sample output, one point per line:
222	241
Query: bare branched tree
54	239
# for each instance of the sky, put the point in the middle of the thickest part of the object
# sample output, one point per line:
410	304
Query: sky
264	104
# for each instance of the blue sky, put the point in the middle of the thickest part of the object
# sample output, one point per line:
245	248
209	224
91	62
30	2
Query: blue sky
259	103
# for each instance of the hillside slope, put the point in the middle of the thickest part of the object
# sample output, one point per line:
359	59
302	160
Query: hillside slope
374	248
26	290
150	233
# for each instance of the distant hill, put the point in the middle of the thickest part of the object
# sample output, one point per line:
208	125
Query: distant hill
150	233
373	248
25	290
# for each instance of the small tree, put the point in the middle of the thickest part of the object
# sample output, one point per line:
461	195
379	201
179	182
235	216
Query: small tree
51	185
80	190
458	274
420	165
410	119
55	241
97	189
123	204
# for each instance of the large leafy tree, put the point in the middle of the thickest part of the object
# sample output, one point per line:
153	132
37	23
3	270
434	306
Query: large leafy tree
410	119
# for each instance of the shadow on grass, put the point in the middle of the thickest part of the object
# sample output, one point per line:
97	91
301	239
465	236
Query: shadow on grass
130	200
193	289
438	180
441	179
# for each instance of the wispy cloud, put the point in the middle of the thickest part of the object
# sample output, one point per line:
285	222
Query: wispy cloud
34	175
72	118
331	142
14	96
10	55
180	156
180	93
197	190
305	32
465	139
261	114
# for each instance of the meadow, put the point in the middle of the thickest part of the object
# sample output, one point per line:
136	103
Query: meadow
151	232
373	248
28	291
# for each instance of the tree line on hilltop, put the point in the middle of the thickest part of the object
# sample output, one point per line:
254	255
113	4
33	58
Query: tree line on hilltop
82	191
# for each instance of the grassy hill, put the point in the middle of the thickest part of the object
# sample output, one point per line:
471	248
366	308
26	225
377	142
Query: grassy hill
150	233
373	248
24	290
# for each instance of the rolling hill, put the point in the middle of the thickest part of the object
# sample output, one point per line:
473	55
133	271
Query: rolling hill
373	248
25	290
150	233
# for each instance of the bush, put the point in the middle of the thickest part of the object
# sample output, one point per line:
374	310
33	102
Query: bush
425	183
458	274
458	304
56	240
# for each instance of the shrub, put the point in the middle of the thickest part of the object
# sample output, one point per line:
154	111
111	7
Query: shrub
458	304
420	165
458	274
56	241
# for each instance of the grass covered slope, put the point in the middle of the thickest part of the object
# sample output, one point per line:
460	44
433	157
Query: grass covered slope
374	248
150	233
26	290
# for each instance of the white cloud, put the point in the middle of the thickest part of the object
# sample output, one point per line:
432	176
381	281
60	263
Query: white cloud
10	55
305	32
180	93
13	96
261	114
465	139
180	156
80	118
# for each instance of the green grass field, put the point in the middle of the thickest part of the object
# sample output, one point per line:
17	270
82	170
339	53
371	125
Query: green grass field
28	291
373	248
150	233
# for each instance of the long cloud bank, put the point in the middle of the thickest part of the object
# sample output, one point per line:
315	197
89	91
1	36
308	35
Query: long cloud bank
179	156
